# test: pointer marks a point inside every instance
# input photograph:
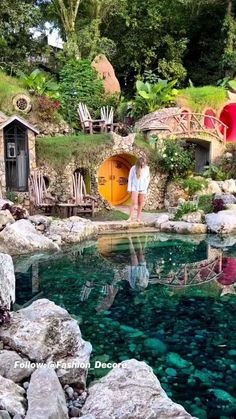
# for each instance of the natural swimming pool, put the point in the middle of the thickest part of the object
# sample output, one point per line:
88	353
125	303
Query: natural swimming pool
167	300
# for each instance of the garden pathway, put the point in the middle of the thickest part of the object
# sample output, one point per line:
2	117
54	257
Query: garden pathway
147	217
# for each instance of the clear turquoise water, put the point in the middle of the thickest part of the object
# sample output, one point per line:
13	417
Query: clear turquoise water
186	333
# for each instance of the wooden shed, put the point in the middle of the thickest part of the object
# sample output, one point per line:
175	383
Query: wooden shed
17	153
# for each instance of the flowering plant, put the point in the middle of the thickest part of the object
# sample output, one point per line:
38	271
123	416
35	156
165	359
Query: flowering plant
173	157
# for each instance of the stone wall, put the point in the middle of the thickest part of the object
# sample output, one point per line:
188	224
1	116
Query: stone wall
60	178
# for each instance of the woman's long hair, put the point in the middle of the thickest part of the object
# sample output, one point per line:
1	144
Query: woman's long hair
141	162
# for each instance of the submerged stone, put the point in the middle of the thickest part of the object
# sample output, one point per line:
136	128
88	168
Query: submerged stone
155	345
223	395
171	372
176	360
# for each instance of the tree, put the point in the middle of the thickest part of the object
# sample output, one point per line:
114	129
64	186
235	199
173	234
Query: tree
16	37
149	36
68	12
229	34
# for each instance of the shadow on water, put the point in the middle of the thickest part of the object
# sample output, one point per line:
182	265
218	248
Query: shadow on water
168	300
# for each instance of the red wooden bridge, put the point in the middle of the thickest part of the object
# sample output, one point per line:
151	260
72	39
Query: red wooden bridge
191	274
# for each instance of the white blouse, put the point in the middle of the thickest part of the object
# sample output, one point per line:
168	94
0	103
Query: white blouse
136	184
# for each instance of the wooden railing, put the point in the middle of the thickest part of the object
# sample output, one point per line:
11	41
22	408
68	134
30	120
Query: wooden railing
191	124
192	273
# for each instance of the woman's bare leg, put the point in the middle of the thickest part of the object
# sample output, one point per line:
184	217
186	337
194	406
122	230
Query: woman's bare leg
134	205
141	203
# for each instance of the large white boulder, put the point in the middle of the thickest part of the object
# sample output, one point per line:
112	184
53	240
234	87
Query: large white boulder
73	229
222	222
45	332
183	227
228	186
11	397
10	366
5	218
46	398
7	280
129	392
212	188
22	237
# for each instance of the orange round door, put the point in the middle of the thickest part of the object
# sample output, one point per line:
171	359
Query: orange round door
113	180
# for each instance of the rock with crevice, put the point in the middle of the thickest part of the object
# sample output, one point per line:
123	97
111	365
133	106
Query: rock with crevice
11	397
45	332
7	280
22	238
46	398
131	391
193	217
72	230
161	219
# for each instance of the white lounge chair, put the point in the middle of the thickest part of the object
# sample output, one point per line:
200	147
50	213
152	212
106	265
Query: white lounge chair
88	124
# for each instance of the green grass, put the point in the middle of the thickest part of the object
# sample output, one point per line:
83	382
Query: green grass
141	142
61	150
198	98
9	87
110	215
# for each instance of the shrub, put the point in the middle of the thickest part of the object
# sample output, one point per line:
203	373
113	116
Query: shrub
185	208
4	315
172	157
193	185
228	165
205	203
215	173
47	108
218	205
79	82
152	96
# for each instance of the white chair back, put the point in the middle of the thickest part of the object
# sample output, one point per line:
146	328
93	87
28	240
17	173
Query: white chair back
37	188
107	114
78	188
84	114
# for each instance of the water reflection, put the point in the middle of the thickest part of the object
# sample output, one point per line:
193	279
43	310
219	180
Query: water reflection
163	299
141	261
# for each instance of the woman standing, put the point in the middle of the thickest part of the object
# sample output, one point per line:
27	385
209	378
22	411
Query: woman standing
139	178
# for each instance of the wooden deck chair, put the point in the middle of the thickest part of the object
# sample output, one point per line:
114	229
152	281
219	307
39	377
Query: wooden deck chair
84	203
107	114
38	195
88	124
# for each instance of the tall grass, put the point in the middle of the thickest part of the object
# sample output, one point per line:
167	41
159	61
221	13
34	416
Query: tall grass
9	86
198	98
84	148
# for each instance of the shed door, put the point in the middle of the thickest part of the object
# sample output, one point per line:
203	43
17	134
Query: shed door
16	157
